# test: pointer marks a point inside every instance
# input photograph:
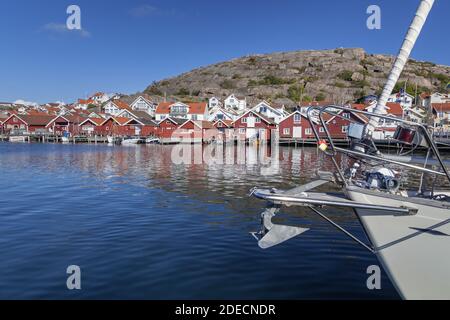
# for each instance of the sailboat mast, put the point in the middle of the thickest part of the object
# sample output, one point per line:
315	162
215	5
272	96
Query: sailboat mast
401	60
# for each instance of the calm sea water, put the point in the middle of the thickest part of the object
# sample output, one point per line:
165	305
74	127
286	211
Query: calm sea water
142	227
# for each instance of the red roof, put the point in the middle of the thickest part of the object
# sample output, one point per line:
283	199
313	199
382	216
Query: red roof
82	101
441	107
358	106
33	120
228	123
395	109
121	120
194	107
96	121
121	104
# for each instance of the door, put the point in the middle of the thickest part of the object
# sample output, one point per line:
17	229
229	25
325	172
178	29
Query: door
251	133
297	132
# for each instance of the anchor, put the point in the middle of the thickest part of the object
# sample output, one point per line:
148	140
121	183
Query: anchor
274	234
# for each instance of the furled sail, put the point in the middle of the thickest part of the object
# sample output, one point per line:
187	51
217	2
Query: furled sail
401	60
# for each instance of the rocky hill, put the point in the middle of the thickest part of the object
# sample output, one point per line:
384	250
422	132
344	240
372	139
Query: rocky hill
338	75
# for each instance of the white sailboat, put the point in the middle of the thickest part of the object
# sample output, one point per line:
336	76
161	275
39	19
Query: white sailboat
408	229
131	140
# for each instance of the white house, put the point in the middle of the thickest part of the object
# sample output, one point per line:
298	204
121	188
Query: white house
235	103
276	114
114	107
143	103
99	98
83	104
189	111
406	100
426	100
214	102
219	113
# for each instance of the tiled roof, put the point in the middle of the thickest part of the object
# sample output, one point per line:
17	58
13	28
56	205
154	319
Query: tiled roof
96	121
228	123
121	104
441	107
395	108
82	101
36	120
121	120
194	107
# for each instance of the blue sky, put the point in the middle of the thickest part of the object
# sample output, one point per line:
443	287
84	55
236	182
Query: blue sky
125	45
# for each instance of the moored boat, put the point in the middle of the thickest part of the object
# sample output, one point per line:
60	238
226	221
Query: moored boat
132	140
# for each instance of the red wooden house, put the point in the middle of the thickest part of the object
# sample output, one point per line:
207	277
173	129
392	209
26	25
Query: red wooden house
297	126
26	123
168	126
197	131
62	124
338	125
89	126
225	128
149	128
253	125
222	125
109	127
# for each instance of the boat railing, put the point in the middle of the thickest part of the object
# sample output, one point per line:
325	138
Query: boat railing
331	150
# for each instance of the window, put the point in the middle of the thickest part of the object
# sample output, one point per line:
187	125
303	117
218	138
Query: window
242	130
219	116
308	131
344	129
263	109
194	117
244	120
321	130
219	125
257	120
297	118
286	131
346	115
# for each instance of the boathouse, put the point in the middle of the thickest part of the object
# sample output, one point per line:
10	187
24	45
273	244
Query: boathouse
253	125
26	123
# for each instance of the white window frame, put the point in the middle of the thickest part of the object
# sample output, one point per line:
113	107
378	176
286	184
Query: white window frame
286	131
